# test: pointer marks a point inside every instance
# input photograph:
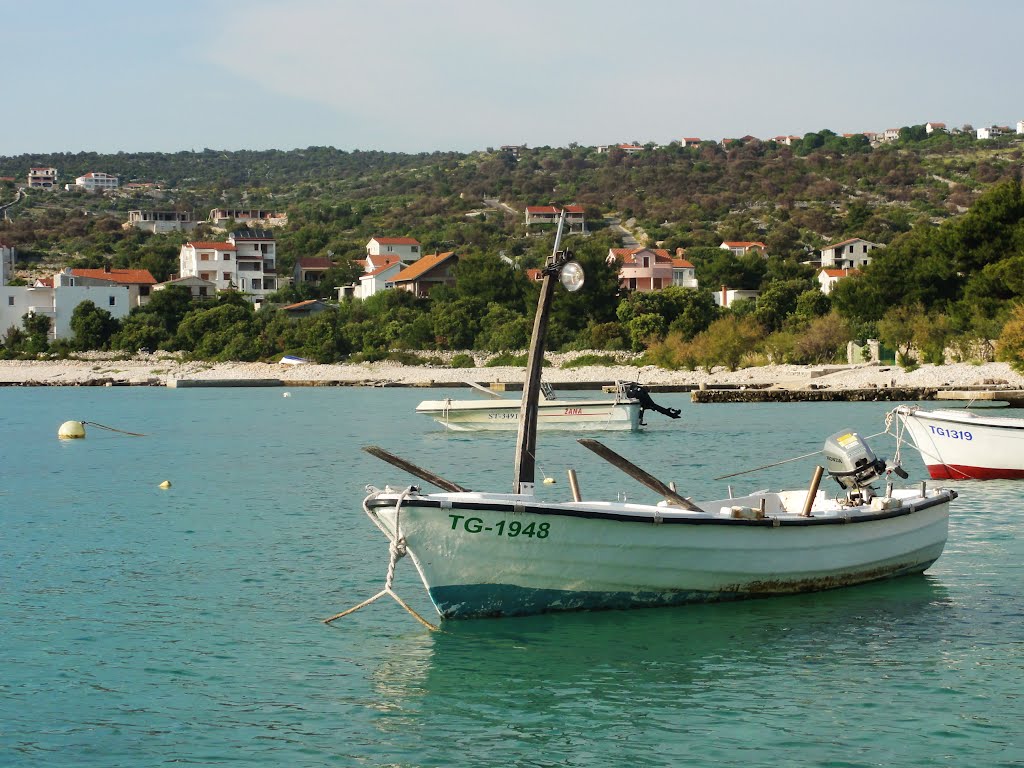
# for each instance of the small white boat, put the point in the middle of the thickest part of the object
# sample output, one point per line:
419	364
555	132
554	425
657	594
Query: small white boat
493	554
962	445
624	410
292	360
504	554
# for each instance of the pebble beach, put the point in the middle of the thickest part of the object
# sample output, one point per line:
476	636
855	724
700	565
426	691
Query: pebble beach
164	370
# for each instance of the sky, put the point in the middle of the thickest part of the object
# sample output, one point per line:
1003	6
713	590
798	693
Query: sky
412	76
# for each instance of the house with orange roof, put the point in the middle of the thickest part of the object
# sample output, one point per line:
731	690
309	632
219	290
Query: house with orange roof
426	274
550	214
848	254
304	308
246	262
115	291
931	128
827	278
651	269
740	247
407	249
689	141
629	149
139	282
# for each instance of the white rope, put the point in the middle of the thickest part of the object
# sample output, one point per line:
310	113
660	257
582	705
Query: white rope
396	551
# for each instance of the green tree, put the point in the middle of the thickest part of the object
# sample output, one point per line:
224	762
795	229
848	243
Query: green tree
92	326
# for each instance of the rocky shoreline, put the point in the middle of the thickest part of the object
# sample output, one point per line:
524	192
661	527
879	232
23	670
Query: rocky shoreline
775	382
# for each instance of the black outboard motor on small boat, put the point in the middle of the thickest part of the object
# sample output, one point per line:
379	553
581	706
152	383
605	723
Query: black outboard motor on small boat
639	392
854	465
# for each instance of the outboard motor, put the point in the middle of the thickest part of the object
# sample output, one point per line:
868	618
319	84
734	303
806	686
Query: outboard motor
636	391
854	465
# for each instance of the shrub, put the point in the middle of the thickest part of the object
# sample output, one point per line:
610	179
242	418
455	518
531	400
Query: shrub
462	360
1010	345
585	360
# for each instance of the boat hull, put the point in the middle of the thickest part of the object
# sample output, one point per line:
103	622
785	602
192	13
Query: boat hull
598	555
962	445
574	415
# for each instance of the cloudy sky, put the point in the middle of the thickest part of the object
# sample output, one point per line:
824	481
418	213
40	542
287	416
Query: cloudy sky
413	75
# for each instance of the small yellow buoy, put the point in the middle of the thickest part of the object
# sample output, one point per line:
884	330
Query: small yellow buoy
549	481
165	484
70	430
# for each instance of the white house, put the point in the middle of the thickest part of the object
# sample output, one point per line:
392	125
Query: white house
931	128
246	262
827	278
1020	126
991	132
139	282
405	248
378	270
726	297
58	302
7	255
97	182
890	134
848	254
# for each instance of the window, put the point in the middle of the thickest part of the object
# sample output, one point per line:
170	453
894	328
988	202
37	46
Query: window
143	290
113	300
10	301
227	257
257	285
202	290
204	257
227	275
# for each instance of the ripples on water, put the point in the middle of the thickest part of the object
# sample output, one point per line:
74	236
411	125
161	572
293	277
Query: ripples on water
143	627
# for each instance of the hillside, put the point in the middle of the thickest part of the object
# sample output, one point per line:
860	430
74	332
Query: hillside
948	206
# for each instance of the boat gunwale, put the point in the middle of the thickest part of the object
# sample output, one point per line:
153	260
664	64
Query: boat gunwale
943	496
950	416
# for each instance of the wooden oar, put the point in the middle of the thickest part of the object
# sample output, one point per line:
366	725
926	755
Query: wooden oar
640	475
412	469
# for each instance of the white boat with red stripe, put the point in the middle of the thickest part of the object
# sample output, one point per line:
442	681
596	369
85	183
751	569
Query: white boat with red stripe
958	444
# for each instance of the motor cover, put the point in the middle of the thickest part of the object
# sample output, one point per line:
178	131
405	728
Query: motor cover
851	461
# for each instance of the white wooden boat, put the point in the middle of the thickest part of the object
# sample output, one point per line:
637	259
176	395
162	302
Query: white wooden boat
503	554
959	444
492	554
624	410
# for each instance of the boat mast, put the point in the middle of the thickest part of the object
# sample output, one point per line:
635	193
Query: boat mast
526	443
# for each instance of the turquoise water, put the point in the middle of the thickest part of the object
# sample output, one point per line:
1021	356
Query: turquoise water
142	627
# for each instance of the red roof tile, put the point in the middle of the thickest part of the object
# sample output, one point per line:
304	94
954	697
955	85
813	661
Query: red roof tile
417	268
207	246
122	276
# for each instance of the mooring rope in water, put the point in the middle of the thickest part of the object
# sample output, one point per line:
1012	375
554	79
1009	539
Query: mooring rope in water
113	429
396	551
